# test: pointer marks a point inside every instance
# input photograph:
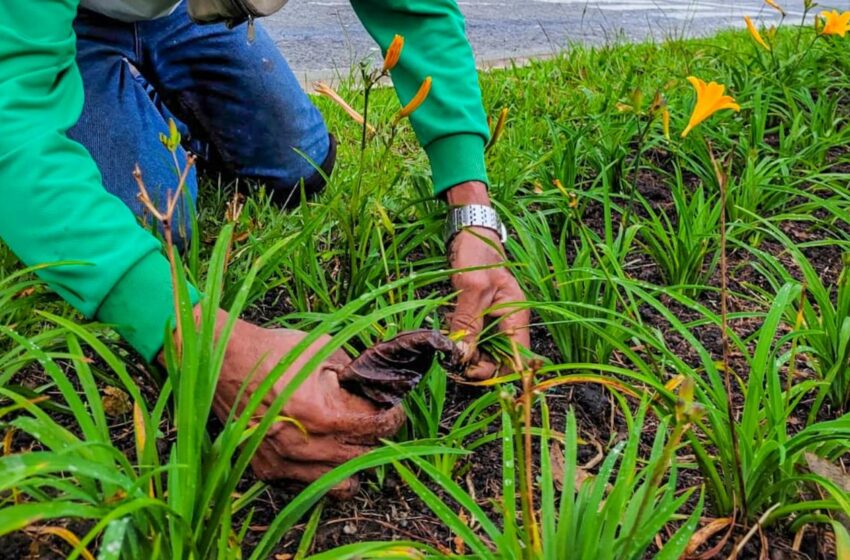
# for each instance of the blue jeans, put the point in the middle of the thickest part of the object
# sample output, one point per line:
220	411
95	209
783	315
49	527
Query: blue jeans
238	106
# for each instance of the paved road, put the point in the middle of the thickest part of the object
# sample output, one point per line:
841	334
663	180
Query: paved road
318	36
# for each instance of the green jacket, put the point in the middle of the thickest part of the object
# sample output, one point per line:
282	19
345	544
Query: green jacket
54	208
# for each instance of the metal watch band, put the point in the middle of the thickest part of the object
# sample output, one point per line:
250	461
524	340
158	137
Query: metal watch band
473	215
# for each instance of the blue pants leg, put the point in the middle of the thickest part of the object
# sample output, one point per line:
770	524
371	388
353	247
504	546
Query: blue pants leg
237	103
120	123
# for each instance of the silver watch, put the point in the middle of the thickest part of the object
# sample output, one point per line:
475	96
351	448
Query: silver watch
473	215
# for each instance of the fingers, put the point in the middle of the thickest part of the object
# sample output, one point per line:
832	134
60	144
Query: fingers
368	428
513	322
484	368
468	317
291	443
514	319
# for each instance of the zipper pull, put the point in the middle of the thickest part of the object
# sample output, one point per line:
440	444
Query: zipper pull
252	33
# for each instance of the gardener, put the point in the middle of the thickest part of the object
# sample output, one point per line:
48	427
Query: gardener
71	132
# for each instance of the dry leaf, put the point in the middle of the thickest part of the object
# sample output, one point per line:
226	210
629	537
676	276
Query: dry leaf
389	370
459	544
116	402
581	476
706	532
283	556
829	471
24	293
557	455
557	464
68	537
833	473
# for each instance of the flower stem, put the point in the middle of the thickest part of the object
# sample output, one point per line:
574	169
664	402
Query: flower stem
722	179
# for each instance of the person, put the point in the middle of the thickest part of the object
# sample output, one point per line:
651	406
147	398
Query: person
85	91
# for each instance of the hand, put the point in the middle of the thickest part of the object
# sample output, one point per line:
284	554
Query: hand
340	425
482	289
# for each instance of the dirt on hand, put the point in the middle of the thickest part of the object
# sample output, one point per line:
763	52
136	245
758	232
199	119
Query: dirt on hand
389	370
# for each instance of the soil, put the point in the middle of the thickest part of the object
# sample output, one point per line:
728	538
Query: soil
391	511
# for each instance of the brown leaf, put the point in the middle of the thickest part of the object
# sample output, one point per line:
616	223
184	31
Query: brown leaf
24	293
705	533
557	455
557	464
116	402
581	476
833	473
829	471
459	544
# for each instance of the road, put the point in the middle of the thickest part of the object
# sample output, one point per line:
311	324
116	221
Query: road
324	36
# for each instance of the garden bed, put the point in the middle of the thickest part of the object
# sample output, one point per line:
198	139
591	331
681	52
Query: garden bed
615	236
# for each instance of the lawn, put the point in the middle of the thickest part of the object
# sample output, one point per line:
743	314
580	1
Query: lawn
690	384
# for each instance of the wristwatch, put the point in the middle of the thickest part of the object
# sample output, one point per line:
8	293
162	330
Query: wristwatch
473	215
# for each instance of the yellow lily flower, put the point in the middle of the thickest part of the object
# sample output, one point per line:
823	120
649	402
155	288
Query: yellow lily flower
393	54
710	99
417	100
665	122
835	23
751	27
775	6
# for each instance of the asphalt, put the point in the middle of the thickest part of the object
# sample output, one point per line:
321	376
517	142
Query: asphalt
323	37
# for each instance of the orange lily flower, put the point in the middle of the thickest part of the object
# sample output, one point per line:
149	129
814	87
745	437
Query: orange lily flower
835	23
751	27
775	6
393	54
710	99
417	100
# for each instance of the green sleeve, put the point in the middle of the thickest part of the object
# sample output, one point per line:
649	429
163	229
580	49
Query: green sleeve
54	207
451	124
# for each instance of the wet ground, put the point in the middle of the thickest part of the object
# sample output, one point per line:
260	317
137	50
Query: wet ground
321	36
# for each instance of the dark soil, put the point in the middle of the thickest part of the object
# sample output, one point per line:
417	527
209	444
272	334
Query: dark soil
393	512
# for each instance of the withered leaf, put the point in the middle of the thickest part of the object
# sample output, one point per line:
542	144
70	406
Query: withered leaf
556	452
116	402
829	471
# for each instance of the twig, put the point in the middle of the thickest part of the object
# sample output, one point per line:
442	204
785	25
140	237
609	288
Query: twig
165	220
757	527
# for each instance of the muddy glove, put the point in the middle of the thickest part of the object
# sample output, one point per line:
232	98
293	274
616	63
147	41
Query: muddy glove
385	373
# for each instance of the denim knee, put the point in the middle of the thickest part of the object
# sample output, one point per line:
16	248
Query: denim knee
287	193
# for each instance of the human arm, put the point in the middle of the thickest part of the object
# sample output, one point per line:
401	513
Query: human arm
55	209
452	128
